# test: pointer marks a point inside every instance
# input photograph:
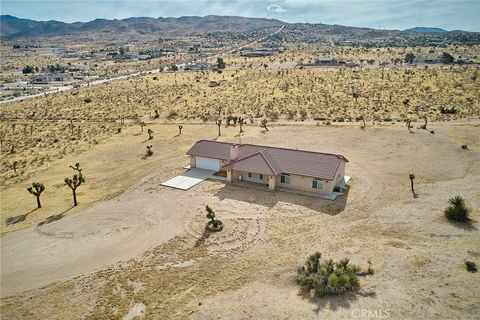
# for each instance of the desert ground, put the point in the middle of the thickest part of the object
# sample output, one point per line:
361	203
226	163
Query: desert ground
135	248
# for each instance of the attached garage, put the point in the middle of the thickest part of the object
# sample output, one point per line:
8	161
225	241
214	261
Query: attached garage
207	163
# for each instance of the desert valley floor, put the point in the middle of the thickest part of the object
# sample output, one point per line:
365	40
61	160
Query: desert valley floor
134	247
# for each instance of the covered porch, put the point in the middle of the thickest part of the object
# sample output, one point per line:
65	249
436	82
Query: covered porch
252	179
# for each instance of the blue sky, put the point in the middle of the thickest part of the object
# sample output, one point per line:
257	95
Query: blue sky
386	14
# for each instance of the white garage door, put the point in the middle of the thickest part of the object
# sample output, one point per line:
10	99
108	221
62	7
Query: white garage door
207	163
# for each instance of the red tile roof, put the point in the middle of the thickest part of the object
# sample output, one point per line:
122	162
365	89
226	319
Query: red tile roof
271	160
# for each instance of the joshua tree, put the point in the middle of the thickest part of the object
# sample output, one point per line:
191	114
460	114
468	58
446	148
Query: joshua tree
241	122
149	151
150	134
408	125
264	124
363	120
424	126
75	182
36	189
180	127
220	63
156	116
142	124
219	123
412	177
214	224
15	166
409	58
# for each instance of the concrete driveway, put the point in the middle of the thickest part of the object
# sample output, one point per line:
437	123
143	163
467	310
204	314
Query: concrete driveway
189	179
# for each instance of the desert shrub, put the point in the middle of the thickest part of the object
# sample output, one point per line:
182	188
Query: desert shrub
451	110
471	266
457	210
87	100
464	147
326	277
172	115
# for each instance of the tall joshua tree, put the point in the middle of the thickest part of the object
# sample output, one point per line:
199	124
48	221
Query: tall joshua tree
219	123
36	189
75	182
180	127
412	177
264	124
241	122
150	134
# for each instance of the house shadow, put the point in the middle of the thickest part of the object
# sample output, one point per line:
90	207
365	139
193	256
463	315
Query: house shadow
53	218
267	198
13	220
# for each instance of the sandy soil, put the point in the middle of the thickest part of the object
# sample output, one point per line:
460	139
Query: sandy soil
144	251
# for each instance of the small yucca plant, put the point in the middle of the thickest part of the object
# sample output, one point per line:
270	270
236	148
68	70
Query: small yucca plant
457	210
327	277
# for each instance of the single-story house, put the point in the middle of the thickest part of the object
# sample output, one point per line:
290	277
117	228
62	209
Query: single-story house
326	61
313	172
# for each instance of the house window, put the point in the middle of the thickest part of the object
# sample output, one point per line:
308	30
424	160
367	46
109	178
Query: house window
256	176
285	178
317	184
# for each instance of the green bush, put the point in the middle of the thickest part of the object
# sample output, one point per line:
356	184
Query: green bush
326	277
457	210
471	266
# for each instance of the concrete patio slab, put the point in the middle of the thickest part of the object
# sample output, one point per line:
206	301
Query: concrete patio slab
189	179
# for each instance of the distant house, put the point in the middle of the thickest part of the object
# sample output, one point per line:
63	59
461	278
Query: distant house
326	61
45	79
312	172
143	56
60	77
196	66
259	52
40	79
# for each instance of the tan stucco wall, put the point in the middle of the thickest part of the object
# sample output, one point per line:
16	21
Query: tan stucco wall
340	173
236	173
192	162
305	184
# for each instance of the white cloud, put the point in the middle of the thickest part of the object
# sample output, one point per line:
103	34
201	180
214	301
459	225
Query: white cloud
275	8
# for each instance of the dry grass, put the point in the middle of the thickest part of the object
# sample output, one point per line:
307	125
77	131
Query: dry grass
59	124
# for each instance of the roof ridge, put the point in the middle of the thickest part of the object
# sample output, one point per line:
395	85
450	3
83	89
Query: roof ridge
290	149
251	155
270	161
214	141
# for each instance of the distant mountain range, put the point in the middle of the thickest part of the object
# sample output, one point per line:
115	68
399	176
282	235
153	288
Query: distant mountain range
12	28
425	29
